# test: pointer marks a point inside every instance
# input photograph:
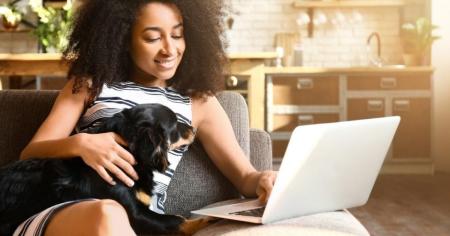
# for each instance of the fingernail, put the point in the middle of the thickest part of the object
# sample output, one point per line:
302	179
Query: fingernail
131	184
113	182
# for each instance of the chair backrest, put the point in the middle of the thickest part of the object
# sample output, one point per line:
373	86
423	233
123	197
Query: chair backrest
21	113
197	181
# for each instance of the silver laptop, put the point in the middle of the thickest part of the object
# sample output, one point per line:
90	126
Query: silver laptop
326	167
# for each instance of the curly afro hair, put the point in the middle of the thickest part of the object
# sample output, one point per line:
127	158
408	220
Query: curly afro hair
101	35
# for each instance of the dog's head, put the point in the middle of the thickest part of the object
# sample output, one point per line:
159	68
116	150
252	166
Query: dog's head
151	130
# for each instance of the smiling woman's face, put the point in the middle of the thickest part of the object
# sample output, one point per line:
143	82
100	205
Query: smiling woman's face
157	44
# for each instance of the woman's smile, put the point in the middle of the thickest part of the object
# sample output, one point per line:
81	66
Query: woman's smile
166	63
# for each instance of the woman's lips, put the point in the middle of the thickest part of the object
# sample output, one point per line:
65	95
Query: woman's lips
166	63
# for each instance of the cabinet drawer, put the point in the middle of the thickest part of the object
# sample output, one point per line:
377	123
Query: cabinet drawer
289	122
305	90
364	108
388	83
413	137
279	147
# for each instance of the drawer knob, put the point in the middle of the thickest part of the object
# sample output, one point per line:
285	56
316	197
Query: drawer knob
402	105
305	83
388	83
305	119
375	105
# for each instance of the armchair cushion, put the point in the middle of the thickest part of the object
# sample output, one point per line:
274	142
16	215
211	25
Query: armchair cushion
337	223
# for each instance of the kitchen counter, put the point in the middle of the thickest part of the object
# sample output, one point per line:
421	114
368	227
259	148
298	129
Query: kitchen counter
30	56
30	64
50	64
348	70
252	55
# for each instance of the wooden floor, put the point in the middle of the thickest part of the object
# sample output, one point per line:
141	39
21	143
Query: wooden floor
408	205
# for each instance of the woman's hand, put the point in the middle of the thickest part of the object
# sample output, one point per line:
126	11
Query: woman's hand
265	183
103	152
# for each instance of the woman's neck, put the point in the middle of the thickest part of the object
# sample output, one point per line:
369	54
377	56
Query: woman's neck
147	80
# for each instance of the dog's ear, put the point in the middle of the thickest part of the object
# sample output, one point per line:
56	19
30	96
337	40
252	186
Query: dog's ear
150	149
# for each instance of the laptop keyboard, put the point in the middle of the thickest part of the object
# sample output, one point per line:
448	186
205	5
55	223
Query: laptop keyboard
258	212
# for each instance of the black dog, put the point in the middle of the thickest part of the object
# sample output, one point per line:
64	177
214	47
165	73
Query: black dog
151	130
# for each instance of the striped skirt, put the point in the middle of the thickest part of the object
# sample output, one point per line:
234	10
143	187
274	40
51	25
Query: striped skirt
35	225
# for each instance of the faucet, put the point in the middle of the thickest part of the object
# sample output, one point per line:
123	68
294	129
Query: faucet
378	61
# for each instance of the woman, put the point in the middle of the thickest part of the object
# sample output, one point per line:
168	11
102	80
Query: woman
128	52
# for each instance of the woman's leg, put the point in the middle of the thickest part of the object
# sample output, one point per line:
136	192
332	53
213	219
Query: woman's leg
100	217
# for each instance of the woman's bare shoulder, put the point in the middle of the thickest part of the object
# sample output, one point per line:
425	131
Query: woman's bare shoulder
202	107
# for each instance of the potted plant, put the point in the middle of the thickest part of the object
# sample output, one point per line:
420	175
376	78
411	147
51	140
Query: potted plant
53	25
11	16
417	39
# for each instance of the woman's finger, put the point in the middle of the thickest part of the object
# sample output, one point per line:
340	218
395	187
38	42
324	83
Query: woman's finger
111	167
262	197
104	174
266	182
119	139
125	166
125	155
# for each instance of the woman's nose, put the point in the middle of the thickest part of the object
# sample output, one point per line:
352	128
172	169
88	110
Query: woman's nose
168	47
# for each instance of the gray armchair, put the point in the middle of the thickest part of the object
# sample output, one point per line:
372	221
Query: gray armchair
197	182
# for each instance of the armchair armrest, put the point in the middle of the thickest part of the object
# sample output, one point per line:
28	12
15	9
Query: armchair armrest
260	149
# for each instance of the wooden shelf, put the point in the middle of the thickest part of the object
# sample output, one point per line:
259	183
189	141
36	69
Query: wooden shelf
311	5
55	4
252	55
20	30
348	3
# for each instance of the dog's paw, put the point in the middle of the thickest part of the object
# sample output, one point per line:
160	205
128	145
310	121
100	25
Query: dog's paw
189	227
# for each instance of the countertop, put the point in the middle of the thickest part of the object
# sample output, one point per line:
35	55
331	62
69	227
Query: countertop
348	70
58	68
30	56
57	56
252	55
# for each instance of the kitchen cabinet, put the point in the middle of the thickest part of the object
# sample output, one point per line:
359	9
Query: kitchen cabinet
298	96
292	100
407	96
247	77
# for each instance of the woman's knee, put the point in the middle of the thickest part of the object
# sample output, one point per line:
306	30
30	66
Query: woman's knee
100	217
109	214
108	208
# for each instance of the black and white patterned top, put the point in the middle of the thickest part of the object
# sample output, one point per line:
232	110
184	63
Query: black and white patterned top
123	95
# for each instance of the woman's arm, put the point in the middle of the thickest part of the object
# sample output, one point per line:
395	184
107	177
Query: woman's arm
100	151
52	138
216	134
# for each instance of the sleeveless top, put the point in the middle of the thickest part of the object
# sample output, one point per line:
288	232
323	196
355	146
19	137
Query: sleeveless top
116	97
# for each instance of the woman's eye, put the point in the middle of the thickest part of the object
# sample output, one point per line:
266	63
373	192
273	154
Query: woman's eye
177	36
152	40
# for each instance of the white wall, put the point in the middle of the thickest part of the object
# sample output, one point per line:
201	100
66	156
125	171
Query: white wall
257	21
441	61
